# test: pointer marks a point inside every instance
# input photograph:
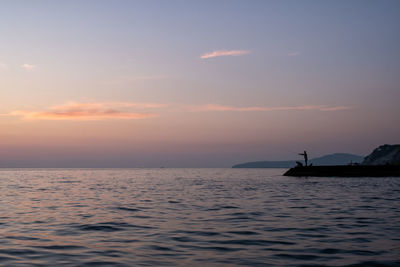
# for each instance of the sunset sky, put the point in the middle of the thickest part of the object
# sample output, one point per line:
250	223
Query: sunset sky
195	83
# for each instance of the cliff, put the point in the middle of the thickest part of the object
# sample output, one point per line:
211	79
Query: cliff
383	155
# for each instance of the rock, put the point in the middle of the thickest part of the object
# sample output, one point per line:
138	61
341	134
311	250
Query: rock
383	155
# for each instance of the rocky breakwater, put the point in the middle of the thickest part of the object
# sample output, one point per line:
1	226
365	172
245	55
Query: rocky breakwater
384	161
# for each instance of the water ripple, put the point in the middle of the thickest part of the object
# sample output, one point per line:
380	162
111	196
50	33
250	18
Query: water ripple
193	217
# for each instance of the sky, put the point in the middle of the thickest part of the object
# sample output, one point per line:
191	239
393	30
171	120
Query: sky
195	83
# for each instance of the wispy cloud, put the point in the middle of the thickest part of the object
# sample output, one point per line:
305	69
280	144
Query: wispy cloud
149	77
214	107
137	105
28	67
89	111
86	111
337	108
294	54
220	53
126	79
3	66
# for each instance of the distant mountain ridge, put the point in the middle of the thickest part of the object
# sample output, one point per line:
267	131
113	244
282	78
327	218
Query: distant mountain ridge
331	159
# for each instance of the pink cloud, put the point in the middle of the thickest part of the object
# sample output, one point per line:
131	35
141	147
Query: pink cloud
294	54
213	107
28	67
3	66
127	79
220	53
335	108
137	110
87	111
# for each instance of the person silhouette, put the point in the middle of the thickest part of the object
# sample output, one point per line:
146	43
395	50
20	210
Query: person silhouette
305	157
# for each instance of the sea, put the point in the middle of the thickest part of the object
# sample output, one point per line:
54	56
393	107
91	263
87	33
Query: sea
196	217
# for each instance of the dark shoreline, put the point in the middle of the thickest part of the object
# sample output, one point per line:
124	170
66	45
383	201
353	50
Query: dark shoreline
345	171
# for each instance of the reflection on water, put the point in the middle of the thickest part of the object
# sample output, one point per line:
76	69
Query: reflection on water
212	217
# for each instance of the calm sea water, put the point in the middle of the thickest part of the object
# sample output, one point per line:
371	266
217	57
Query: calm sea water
195	217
